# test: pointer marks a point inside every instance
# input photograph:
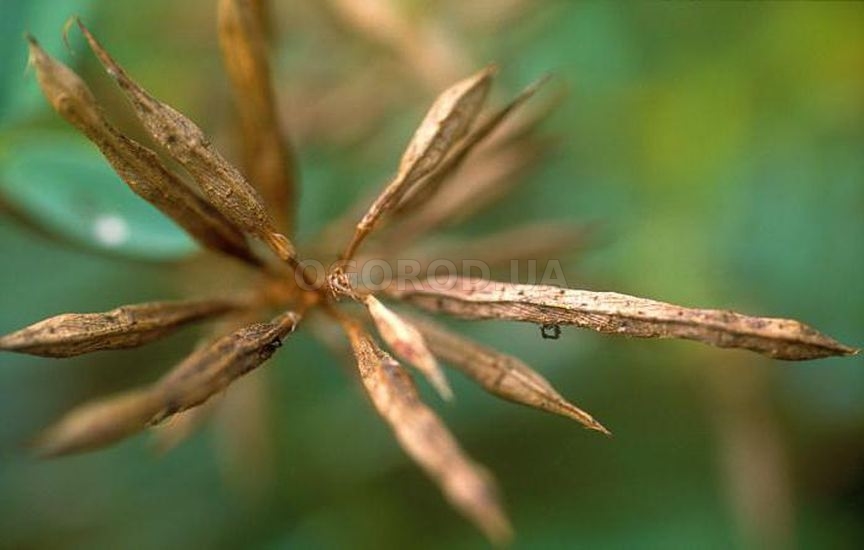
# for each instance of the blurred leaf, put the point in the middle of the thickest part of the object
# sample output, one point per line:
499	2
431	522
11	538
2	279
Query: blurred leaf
62	186
19	96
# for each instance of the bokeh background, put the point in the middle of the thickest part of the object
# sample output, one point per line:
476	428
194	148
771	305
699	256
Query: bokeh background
717	149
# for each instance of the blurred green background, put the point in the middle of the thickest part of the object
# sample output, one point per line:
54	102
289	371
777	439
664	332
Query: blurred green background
720	146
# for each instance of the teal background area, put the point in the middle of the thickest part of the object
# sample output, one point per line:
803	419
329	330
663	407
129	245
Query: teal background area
719	147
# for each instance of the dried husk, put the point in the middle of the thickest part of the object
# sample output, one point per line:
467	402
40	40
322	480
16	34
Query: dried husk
610	312
224	185
433	181
136	165
501	374
210	369
407	343
425	438
100	423
478	185
268	160
449	118
127	326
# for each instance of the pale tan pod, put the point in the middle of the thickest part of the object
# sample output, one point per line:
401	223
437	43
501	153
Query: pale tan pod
98	424
610	312
407	343
426	440
128	326
501	374
268	159
449	118
212	368
457	155
224	185
136	165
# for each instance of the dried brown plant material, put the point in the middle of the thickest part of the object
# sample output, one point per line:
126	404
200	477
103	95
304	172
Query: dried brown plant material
136	165
431	188
210	369
200	376
460	152
99	423
501	374
222	183
476	186
268	160
407	343
615	313
129	326
425	438
449	118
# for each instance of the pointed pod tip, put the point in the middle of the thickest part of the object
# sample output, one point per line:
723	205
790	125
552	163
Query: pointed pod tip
499	531
598	427
442	386
490	70
78	21
46	446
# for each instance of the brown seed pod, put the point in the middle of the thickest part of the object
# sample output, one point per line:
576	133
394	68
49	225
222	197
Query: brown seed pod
433	181
224	185
449	118
407	343
129	326
98	424
136	165
268	160
501	374
213	367
615	313
206	372
425	438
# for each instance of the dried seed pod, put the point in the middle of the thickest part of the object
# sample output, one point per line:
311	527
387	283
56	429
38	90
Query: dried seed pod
213	367
477	185
425	438
224	185
407	343
449	118
268	161
433	181
615	313
99	424
501	374
124	327
136	165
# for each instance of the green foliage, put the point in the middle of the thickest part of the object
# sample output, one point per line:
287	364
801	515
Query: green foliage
60	183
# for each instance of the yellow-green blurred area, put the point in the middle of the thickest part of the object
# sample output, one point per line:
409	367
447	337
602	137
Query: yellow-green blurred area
719	148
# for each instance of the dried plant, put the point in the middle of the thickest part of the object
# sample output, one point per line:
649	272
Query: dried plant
225	207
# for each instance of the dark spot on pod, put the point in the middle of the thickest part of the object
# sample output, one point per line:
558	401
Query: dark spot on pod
269	349
550	332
